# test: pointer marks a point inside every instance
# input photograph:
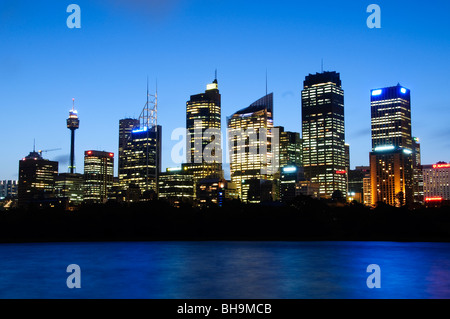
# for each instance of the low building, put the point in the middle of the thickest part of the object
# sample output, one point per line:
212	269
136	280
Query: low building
176	186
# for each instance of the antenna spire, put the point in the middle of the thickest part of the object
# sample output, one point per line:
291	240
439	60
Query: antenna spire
266	81
322	65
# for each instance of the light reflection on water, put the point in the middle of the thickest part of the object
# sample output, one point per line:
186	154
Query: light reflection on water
225	270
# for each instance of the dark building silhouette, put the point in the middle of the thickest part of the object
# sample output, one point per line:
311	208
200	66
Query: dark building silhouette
290	176
323	133
36	185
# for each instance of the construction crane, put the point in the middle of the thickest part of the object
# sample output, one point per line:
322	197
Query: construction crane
51	150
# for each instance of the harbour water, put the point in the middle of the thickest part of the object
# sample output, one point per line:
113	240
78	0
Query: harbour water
222	270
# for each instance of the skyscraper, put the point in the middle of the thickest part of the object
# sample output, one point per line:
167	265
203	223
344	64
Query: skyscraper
36	180
203	124
126	126
290	148
418	175
323	133
141	160
98	175
73	123
251	141
140	150
391	159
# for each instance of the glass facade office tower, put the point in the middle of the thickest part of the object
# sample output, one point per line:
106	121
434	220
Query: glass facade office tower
392	156
323	133
203	116
250	137
290	148
98	175
141	161
125	127
36	179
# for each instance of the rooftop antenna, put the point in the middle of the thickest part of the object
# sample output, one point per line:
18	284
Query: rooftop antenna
34	145
322	66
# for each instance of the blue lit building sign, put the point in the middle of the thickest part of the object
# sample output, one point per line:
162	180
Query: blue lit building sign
376	92
140	130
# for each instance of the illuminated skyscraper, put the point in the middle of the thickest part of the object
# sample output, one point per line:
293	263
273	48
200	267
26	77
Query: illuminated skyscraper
98	175
140	150
203	124
250	137
323	133
141	161
125	127
36	179
290	148
73	123
391	159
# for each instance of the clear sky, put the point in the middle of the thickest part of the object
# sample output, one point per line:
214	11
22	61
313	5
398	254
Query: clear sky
104	65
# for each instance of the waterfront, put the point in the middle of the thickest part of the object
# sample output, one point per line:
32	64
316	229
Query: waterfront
215	269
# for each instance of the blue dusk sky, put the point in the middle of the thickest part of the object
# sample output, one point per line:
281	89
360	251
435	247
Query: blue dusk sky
104	65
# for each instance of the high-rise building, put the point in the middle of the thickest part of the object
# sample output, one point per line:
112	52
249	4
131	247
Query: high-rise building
323	133
8	189
290	147
367	191
126	126
418	175
391	159
436	182
251	142
141	159
203	125
98	175
36	180
73	123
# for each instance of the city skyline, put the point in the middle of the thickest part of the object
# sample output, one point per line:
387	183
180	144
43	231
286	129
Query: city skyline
108	87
